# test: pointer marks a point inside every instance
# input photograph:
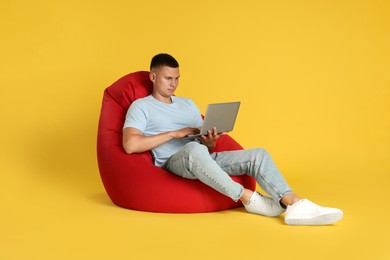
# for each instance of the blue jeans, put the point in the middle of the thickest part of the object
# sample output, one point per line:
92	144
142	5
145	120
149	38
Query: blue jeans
194	161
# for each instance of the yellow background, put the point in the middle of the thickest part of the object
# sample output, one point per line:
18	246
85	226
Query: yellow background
313	78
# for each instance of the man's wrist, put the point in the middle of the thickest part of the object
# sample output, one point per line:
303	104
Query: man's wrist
210	146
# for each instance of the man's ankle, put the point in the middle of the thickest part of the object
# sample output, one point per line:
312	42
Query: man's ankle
246	196
289	199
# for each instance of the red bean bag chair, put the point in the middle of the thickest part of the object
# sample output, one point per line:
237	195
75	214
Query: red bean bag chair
132	180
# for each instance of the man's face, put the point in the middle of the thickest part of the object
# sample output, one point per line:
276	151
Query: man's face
165	80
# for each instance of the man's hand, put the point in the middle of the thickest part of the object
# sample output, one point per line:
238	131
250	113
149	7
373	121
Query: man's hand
210	139
181	133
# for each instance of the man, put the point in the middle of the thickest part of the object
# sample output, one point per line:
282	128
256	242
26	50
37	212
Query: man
161	121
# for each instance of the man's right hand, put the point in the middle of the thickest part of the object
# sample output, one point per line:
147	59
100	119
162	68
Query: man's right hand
184	132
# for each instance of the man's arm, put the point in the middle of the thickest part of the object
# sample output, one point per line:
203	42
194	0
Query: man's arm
134	141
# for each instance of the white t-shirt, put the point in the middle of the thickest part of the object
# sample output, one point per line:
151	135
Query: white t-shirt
152	117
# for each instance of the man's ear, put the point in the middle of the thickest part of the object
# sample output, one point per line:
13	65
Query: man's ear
152	76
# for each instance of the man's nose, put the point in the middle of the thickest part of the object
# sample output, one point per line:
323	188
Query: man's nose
174	83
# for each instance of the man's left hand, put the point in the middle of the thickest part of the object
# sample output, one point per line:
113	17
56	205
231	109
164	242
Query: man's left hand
210	139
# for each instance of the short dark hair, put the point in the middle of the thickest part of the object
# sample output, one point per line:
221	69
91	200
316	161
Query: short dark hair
163	59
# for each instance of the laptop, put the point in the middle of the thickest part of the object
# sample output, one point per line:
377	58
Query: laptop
219	115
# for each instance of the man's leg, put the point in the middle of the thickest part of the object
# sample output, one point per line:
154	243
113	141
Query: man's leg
193	161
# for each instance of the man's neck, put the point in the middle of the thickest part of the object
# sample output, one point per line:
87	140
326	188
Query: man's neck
167	100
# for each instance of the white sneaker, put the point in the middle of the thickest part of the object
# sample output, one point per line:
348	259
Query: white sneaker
305	212
263	205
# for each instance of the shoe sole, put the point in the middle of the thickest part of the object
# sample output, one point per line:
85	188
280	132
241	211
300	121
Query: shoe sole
320	220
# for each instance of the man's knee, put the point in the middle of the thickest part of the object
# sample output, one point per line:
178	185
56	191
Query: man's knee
194	148
261	151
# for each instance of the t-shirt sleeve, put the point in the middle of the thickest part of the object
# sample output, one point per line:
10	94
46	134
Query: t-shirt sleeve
136	117
199	120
